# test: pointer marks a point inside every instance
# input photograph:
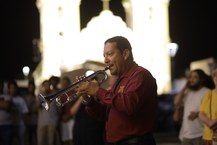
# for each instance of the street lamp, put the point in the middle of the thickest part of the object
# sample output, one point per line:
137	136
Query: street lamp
26	71
173	48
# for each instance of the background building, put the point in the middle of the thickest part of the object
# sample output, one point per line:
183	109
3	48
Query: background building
65	46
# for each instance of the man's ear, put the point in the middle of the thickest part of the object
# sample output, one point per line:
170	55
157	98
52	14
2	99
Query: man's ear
126	53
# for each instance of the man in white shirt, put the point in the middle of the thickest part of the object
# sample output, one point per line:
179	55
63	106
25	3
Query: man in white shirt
190	98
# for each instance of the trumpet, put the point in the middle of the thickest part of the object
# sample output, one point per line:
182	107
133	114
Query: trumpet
68	94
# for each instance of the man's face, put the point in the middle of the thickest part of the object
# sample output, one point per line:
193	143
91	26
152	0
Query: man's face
46	87
114	58
194	81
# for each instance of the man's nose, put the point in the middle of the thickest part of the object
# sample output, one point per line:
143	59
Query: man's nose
106	60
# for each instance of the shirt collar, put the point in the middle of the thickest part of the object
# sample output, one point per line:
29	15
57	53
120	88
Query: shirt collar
129	71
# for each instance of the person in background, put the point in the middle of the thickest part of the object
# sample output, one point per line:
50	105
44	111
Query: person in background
6	129
66	119
208	114
129	108
54	83
20	111
87	129
32	116
54	86
190	98
47	119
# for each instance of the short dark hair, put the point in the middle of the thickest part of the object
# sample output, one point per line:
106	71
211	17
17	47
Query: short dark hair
45	81
122	43
54	79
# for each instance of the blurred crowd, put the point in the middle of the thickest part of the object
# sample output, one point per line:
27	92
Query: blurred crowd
23	120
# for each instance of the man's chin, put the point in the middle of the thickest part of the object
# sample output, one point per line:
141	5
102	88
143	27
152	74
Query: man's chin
112	72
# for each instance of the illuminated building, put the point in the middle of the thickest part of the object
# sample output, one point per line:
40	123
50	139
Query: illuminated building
64	46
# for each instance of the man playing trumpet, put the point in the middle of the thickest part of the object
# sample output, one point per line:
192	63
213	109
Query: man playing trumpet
130	106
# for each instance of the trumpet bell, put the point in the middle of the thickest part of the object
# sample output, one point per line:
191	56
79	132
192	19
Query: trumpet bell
43	101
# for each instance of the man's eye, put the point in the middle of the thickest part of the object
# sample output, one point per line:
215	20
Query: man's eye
109	54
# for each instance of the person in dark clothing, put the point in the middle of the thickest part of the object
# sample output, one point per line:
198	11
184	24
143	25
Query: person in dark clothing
87	130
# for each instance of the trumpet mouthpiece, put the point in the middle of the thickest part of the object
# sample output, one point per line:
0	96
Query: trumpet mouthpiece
107	67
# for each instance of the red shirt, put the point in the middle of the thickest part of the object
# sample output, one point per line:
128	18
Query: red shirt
133	105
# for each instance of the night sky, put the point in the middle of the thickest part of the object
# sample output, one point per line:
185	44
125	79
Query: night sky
192	23
193	27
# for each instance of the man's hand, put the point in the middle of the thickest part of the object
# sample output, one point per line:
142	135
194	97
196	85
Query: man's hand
213	124
88	88
193	115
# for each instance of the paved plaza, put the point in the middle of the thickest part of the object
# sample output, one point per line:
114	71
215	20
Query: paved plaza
167	138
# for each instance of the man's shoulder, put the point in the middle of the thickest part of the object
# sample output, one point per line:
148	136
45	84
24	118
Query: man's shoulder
144	70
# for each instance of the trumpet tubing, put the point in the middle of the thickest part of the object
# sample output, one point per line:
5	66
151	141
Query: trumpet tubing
68	94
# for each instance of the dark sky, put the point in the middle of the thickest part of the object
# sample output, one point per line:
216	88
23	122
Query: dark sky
192	25
19	26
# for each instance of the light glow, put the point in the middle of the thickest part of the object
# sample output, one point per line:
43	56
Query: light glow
26	70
